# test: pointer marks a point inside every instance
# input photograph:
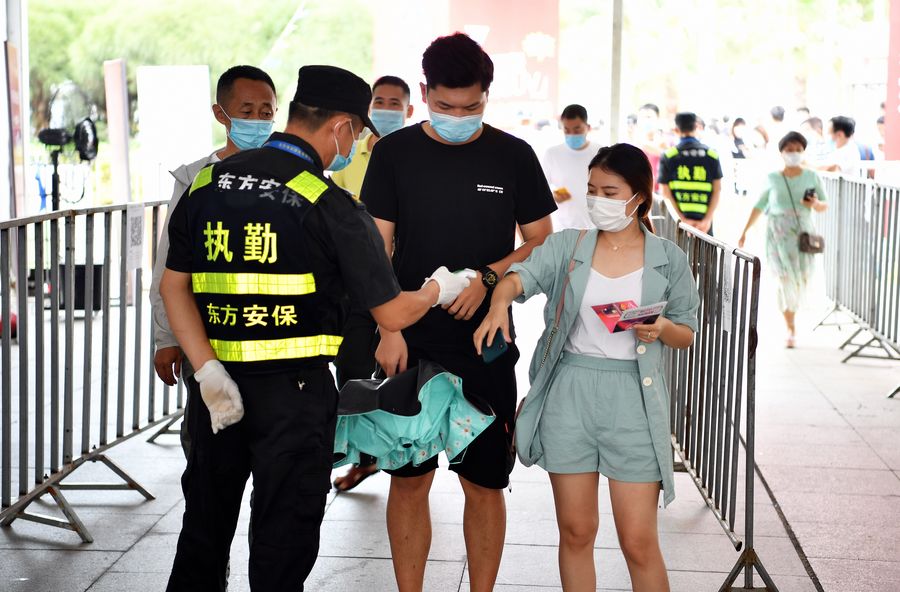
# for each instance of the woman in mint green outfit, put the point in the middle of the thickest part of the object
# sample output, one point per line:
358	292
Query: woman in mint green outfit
789	214
598	402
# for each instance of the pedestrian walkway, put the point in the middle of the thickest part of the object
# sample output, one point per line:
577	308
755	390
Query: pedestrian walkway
827	446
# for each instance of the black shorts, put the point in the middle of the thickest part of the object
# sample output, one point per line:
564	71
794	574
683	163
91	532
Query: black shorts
488	461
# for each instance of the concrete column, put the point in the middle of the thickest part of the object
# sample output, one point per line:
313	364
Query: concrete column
892	104
615	82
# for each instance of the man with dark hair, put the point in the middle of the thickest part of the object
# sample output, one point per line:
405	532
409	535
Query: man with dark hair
776	127
650	107
226	82
389	111
818	148
845	157
264	254
690	176
245	106
390	108
574	111
453	189
648	137
815	124
566	167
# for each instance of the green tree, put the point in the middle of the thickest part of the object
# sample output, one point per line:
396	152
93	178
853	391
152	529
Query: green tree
280	35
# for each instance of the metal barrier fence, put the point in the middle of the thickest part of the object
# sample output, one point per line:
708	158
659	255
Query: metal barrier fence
79	260
862	263
713	386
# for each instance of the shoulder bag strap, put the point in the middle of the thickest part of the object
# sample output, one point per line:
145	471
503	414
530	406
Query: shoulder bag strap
562	300
793	204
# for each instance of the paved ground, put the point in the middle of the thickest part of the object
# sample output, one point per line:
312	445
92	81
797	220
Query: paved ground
827	446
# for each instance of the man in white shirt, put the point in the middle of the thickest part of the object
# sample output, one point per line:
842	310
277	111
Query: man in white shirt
245	106
818	148
845	156
566	168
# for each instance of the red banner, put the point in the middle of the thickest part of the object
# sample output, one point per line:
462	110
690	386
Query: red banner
522	38
892	105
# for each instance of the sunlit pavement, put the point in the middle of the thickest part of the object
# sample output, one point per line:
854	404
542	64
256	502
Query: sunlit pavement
827	444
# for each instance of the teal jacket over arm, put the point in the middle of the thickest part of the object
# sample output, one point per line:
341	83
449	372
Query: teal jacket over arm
667	276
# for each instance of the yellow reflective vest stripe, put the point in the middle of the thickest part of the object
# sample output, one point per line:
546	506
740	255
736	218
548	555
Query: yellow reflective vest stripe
690	186
266	284
203	178
308	185
276	349
698	208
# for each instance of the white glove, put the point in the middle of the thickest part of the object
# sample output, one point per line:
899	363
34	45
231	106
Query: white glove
221	395
451	284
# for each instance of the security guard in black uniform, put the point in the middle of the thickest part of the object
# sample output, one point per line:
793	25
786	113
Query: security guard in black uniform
690	175
264	251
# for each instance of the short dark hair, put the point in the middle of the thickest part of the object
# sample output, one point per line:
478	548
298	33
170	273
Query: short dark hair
650	107
790	138
456	61
777	113
686	122
310	117
844	124
392	81
803	109
739	121
229	76
815	123
574	111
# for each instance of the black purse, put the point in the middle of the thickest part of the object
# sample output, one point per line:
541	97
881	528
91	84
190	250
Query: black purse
808	242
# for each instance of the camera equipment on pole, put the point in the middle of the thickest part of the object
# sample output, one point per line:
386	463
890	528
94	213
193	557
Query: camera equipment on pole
70	123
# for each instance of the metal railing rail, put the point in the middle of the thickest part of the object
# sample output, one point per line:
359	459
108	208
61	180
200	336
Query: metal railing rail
713	386
87	365
862	261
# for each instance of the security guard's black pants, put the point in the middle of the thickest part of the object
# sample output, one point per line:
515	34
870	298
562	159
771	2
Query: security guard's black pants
286	441
356	358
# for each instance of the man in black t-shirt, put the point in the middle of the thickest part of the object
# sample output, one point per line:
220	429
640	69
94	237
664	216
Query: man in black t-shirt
453	191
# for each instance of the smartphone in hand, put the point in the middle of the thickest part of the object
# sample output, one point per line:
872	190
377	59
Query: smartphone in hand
491	352
809	194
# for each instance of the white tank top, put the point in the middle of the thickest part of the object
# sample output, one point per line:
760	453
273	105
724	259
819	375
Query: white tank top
589	336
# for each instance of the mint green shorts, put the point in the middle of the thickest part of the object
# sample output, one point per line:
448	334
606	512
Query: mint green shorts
594	420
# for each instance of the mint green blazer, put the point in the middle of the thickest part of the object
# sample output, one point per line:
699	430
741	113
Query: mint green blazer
667	276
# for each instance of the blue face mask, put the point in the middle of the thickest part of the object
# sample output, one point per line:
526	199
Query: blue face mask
576	141
249	133
455	129
387	121
340	161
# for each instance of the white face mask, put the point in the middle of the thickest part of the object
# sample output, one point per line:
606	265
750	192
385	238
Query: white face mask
609	214
792	159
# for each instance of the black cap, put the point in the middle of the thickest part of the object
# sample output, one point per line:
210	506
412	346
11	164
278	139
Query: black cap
335	89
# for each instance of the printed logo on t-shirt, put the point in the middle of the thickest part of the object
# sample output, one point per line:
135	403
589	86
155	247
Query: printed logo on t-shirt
489	188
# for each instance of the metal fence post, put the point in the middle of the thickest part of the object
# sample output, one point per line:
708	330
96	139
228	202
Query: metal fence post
66	286
5	373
